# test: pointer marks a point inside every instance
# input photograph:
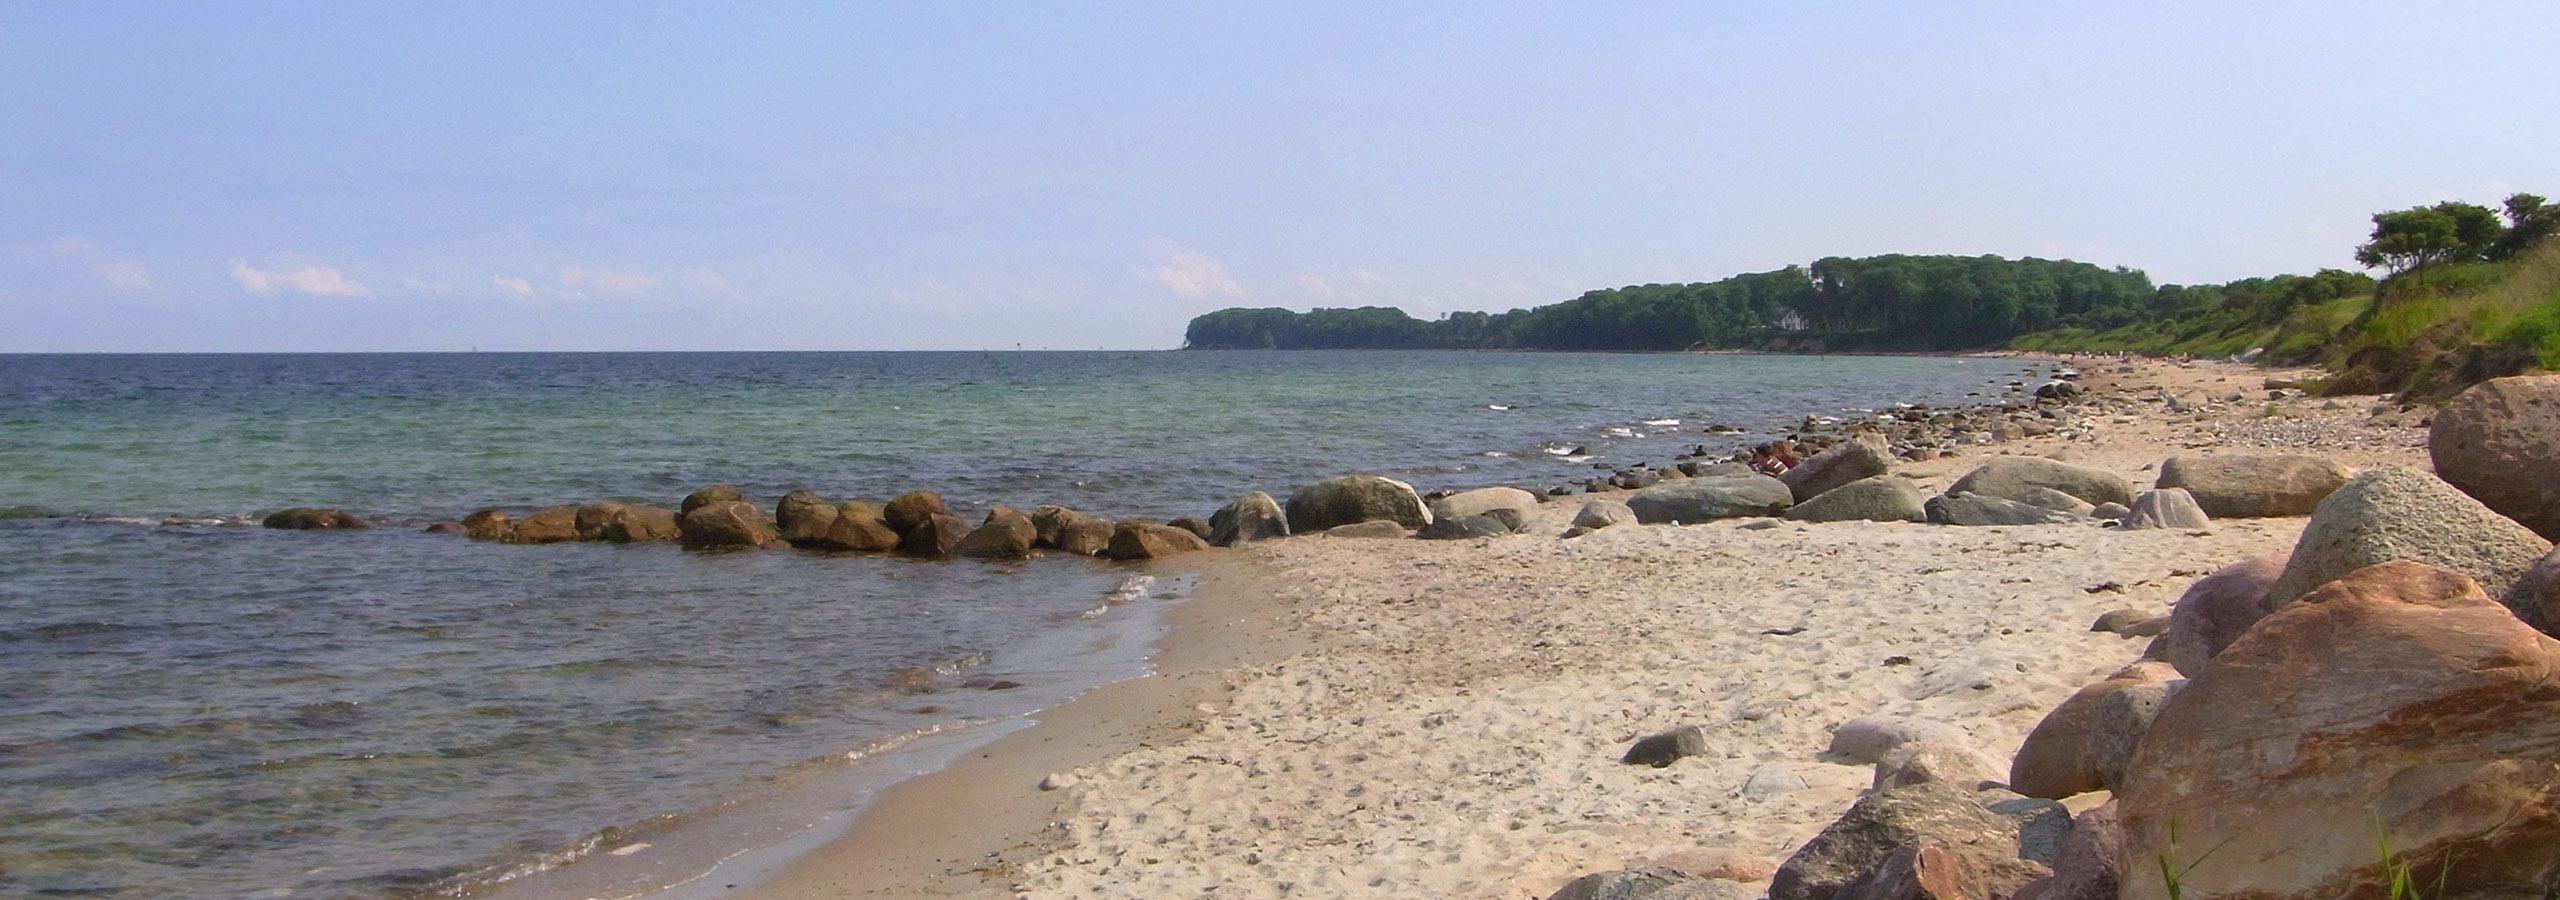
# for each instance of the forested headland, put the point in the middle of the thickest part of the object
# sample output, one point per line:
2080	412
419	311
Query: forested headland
2469	292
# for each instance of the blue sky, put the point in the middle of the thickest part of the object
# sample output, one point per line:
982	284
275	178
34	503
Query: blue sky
441	176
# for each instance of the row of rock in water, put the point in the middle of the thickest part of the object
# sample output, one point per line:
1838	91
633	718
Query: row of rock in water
2382	701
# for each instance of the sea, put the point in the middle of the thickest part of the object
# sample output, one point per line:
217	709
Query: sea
191	706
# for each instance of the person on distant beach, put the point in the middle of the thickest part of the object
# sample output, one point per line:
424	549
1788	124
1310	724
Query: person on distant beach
1774	458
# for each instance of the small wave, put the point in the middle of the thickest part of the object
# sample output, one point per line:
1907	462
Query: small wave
1500	407
1620	431
1129	589
1497	454
63	631
1661	423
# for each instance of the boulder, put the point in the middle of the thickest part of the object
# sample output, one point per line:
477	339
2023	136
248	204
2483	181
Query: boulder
1661	750
2110	511
803	517
2121	718
1459	529
2390	513
934	537
548	525
1005	534
1513	519
2535	597
1353	499
2091	862
591	518
1599	514
2165	508
304	518
1484	500
1881	823
1252	517
1047	521
2120	621
1958	765
2217	608
2499	441
1084	536
729	523
1194	524
2254	486
1374	528
1976	510
1883	498
717	493
1866	739
636	523
2395	704
1935	869
2058	758
2009	477
1845	462
907	511
2057	501
2042	823
1136	539
488	525
859	526
1694	500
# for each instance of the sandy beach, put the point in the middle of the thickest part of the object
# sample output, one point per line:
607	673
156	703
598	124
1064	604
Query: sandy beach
1340	717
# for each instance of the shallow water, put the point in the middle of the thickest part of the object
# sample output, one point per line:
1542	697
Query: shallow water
197	710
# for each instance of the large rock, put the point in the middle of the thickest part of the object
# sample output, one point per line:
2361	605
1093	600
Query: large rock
1599	514
1658	883
2091	863
729	523
2499	441
1693	500
490	524
1484	500
1976	509
2058	501
2535	597
2254	486
1848	461
635	523
304	518
1883	498
2397	704
2058	758
548	525
1443	528
859	526
1252	517
2217	608
1958	765
1006	534
907	511
2009	477
803	517
1137	539
717	493
935	537
591	518
1047	521
1869	739
1935	869
2390	513
1879	824
1353	499
2165	508
1085	536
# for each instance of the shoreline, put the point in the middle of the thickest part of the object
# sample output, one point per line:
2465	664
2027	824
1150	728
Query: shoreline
1352	617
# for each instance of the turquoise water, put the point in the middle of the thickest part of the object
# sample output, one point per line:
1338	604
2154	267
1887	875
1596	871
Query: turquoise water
200	710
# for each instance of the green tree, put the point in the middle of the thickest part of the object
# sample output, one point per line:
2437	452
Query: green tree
2530	220
2409	239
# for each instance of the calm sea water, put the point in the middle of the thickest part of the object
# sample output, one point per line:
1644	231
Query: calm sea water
195	710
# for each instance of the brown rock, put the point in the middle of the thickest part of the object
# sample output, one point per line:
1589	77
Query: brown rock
2218	607
935	537
2499	441
2256	485
1006	534
2535	598
1934	869
549	525
858	526
1252	517
2396	704
487	525
2091	863
803	517
304	518
1193	524
729	523
1852	460
1880	824
2057	759
1084	536
1135	539
635	523
1914	762
912	509
714	494
591	519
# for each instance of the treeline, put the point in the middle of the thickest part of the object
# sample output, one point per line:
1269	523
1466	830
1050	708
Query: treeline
1893	302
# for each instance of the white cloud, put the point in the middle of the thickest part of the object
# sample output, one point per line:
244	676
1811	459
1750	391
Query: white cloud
1193	274
316	281
521	287
118	273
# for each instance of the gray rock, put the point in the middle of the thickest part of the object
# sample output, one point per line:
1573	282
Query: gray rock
1867	739
2009	477
2056	500
2535	598
2165	508
1005	534
2122	716
1484	500
1602	513
1353	499
2090	862
2109	511
1696	469
713	494
2043	824
1085	535
1976	509
2499	441
1252	517
1696	500
1621	884
1845	462
803	517
1459	529
2115	621
2217	608
1661	749
1879	824
1516	520
729	523
304	518
1954	764
1883	498
907	511
2254	486
1375	528
2390	513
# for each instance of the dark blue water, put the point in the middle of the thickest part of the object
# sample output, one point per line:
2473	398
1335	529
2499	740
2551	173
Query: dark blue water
197	709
